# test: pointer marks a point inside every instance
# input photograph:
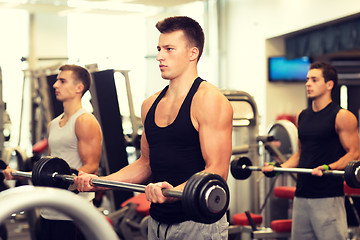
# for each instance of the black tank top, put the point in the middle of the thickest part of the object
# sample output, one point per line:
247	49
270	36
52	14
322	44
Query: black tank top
320	144
175	154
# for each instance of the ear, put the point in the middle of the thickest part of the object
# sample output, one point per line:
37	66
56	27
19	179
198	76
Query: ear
330	84
194	54
80	87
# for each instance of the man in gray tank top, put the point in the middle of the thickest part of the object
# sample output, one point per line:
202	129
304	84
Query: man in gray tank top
207	117
328	139
74	136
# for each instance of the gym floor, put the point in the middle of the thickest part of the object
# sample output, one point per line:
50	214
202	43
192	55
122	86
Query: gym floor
18	228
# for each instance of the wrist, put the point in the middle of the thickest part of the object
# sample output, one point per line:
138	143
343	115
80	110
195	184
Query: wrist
326	167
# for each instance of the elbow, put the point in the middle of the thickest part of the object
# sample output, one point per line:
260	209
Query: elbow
221	171
356	155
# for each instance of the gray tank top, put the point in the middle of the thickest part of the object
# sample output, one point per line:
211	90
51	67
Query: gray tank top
63	143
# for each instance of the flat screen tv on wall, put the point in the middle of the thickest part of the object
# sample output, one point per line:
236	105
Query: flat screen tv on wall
281	69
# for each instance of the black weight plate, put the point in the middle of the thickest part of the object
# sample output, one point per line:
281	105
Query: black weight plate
350	174
194	201
44	170
2	167
214	198
189	198
34	177
236	168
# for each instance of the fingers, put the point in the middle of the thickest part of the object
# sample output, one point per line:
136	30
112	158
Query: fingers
267	168
154	192
83	182
318	171
8	173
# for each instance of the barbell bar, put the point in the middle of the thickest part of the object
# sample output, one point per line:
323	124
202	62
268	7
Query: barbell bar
241	168
205	196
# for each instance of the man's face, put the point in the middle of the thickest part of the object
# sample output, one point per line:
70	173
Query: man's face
174	54
65	86
315	84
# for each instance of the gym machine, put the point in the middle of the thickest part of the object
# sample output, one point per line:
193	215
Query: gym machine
245	143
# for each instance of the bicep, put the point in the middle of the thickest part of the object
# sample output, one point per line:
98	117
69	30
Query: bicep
215	133
347	128
89	137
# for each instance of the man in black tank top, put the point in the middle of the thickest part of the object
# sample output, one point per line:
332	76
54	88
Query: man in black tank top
328	139
187	129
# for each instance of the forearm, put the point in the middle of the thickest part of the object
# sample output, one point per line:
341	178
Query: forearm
90	167
138	172
220	169
343	161
292	162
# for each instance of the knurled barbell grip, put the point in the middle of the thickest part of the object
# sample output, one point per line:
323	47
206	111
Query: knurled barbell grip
133	187
118	185
297	170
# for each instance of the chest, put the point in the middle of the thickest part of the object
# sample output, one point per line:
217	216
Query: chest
317	127
62	122
167	111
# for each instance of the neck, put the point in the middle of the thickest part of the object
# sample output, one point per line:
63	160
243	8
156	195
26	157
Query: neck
180	87
71	107
181	84
320	103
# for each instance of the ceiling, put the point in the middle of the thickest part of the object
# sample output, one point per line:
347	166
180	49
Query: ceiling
100	6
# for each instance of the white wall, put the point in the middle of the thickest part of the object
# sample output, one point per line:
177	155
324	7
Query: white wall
13	46
48	38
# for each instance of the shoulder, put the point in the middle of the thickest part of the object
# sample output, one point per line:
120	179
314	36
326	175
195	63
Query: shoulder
208	92
147	103
345	115
210	99
86	119
345	118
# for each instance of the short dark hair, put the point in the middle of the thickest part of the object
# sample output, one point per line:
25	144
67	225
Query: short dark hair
80	73
191	28
329	72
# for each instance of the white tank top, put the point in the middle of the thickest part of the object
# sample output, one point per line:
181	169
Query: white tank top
63	143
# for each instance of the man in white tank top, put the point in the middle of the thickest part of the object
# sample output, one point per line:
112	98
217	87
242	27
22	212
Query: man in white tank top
75	136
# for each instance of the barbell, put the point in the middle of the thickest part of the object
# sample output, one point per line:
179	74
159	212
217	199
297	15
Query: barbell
205	197
242	168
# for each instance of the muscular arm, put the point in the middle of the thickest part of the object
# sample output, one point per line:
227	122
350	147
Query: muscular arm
138	172
89	136
214	115
346	127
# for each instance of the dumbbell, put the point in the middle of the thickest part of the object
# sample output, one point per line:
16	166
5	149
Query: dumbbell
205	196
242	168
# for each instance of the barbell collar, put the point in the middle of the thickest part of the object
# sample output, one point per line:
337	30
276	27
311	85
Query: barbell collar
63	177
215	198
